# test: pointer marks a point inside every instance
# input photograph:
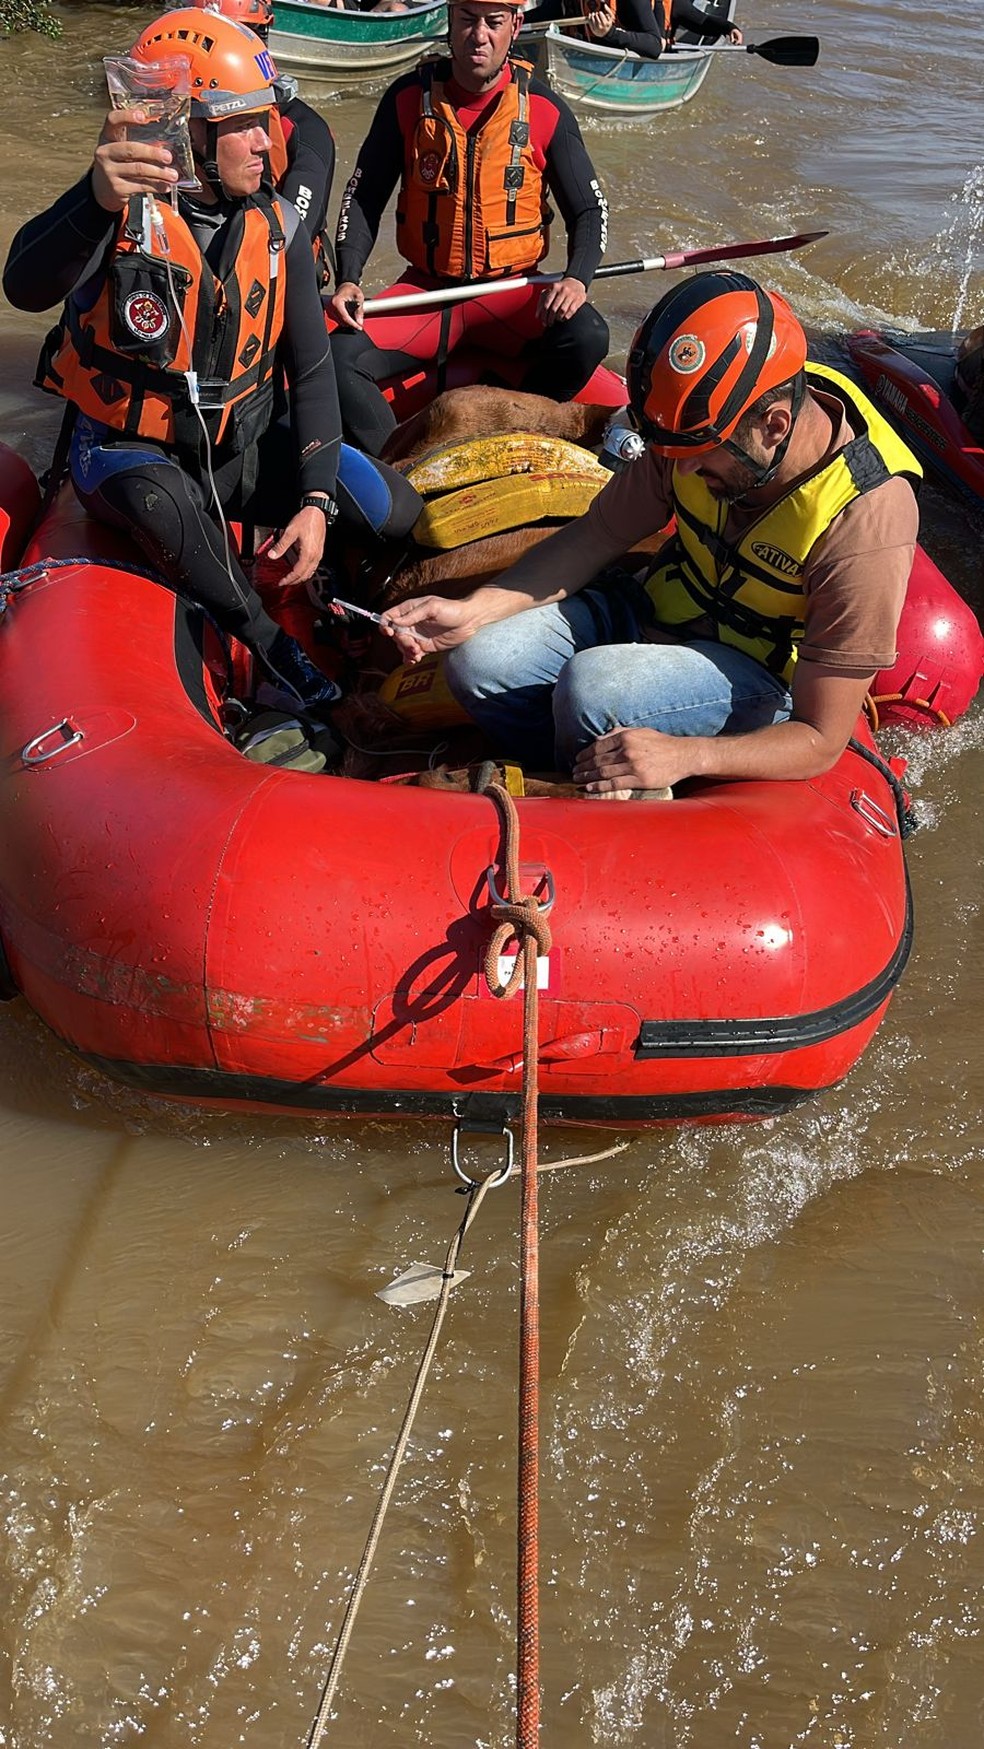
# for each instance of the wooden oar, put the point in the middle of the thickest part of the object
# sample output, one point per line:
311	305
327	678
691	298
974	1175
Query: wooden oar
454	294
782	51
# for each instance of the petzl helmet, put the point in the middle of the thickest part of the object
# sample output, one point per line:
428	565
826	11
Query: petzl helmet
232	73
704	355
255	14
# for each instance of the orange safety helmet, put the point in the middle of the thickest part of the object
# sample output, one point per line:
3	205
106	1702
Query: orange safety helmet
255	14
232	72
704	355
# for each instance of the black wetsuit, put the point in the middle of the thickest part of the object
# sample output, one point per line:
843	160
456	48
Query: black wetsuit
638	27
307	181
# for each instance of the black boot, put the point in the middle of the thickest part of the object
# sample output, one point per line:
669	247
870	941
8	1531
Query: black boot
295	679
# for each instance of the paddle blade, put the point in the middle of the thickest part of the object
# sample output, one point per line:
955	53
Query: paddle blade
767	246
787	51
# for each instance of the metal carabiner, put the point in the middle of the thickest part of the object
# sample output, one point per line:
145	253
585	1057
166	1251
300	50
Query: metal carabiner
476	1127
543	905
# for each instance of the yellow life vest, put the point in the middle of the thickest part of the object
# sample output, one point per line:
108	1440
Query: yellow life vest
753	591
158	312
472	204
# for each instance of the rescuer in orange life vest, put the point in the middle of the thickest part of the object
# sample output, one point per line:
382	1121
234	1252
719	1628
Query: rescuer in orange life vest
302	159
181	317
646	27
475	143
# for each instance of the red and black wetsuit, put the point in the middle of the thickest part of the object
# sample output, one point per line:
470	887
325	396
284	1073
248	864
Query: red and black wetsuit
554	158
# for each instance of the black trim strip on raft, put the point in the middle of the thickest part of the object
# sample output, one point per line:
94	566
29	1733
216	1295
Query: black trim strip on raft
752	1038
191	625
167	1081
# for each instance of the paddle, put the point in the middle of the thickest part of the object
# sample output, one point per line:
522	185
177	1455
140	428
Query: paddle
653	264
782	51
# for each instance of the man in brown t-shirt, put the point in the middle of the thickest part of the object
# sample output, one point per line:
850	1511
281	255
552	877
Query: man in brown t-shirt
788	488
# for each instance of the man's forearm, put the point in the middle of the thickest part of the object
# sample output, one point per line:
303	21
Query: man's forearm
580	201
367	191
551	571
56	251
788	750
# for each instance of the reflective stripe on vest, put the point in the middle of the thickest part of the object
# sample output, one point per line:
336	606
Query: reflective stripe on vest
160	312
472	204
753	591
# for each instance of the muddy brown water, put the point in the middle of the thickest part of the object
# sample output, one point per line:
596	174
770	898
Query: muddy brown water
763	1346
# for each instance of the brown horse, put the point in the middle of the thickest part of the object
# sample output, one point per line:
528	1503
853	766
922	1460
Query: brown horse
408	570
481	411
458	414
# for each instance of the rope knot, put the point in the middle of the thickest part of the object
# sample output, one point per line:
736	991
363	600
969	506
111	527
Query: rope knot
516	920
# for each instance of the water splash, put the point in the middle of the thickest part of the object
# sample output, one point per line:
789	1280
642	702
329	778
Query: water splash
959	246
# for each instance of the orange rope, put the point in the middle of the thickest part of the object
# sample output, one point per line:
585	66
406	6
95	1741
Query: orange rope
874	699
522	918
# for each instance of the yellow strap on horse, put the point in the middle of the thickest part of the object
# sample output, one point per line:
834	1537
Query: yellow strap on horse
473	459
497	505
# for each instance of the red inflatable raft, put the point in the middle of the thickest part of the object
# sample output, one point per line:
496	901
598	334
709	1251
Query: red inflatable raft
911	375
202	927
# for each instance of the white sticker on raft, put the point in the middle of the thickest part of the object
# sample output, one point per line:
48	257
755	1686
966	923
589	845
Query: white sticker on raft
420	1282
508	960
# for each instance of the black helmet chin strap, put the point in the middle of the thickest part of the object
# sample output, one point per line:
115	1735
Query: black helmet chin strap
765	472
208	164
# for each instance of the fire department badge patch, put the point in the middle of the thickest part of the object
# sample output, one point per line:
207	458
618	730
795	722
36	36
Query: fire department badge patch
428	167
146	315
687	354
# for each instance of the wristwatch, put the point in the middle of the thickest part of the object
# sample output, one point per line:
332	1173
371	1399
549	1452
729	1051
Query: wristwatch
320	501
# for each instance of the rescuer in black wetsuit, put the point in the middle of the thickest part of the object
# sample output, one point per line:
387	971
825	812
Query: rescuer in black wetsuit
117	249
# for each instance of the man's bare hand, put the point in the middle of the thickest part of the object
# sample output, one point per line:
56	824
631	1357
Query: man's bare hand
122	168
346	304
305	532
635	759
560	301
428	623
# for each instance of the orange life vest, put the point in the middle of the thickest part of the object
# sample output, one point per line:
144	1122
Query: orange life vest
160	311
472	204
279	130
601	16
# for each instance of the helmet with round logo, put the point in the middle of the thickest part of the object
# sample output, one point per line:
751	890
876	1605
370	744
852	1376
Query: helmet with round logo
232	73
255	14
704	355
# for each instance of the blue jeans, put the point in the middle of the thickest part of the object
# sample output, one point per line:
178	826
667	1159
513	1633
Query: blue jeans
546	683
